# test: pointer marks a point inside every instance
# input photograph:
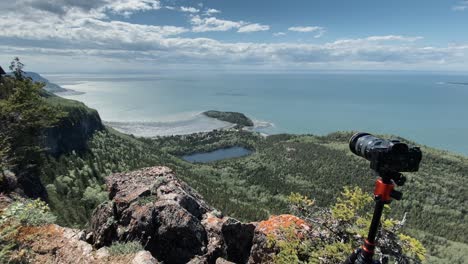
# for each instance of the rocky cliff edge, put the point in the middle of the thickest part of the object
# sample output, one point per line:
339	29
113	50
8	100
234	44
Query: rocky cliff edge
175	224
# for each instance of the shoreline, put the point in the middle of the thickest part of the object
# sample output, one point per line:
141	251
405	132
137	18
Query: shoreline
68	92
198	123
148	129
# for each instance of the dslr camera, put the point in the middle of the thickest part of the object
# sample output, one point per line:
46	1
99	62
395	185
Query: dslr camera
386	155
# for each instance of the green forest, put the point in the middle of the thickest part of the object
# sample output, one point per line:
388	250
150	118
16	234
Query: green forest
254	187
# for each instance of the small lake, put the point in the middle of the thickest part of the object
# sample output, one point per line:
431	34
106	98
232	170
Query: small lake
220	154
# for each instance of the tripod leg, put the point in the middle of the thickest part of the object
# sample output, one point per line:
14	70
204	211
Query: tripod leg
352	258
374	227
360	256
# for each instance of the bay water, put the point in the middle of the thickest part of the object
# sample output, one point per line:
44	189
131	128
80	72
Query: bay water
431	109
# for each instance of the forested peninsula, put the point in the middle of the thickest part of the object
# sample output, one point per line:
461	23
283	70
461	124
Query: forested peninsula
231	117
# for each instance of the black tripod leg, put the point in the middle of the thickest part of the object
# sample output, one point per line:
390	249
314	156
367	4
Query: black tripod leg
374	227
352	258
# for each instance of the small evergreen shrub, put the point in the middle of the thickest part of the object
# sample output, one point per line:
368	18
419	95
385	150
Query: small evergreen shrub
28	212
16	215
124	248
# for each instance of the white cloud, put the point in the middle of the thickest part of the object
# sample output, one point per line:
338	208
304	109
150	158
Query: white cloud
189	9
64	7
253	28
461	6
376	40
85	32
128	7
394	37
278	34
305	29
319	31
52	6
212	11
207	24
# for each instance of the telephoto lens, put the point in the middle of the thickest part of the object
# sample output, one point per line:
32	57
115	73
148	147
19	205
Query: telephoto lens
384	154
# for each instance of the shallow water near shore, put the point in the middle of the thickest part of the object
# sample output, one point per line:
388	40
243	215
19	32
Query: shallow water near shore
430	109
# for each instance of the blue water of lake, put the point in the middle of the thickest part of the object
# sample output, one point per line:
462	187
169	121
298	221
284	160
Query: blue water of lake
219	154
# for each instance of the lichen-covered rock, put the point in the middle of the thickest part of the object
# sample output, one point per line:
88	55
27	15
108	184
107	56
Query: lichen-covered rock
168	218
180	235
216	246
55	244
173	222
277	223
275	226
104	226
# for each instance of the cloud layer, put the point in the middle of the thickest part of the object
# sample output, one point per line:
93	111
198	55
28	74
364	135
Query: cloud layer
83	31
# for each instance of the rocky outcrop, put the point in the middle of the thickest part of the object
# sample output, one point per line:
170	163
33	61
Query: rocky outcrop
169	219
176	225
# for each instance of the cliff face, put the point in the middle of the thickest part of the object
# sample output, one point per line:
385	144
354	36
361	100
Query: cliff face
73	131
174	223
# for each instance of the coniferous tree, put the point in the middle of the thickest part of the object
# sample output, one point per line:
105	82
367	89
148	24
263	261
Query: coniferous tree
24	114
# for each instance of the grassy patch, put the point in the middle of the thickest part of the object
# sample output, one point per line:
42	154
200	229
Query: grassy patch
124	248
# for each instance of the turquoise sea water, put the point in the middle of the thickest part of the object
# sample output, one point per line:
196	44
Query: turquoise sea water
421	107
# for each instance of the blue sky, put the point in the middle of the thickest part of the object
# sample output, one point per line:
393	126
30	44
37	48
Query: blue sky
149	35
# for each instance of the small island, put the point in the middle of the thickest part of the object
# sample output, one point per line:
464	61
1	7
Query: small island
231	117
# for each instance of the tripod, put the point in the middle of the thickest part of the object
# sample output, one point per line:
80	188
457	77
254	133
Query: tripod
383	194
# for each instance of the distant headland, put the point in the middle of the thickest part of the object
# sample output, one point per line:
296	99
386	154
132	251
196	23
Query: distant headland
49	86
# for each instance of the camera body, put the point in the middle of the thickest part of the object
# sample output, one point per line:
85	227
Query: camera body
386	155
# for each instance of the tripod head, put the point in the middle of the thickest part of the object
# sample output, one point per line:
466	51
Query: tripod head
384	186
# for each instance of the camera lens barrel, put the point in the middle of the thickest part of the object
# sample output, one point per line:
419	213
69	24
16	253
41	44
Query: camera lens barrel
390	155
353	142
363	144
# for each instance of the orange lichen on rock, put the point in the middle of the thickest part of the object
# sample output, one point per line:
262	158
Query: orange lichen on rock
278	223
214	220
31	233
